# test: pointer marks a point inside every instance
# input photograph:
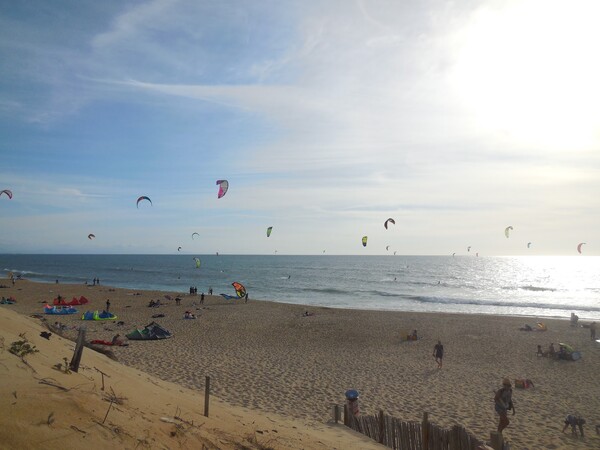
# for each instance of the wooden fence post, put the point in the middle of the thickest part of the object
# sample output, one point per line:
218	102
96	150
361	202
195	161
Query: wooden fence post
74	364
496	440
425	430
206	396
381	426
336	413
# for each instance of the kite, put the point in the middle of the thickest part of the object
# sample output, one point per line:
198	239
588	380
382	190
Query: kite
394	253
269	231
387	247
579	247
91	236
195	234
143	197
223	186
453	254
469	248
240	290
528	244
197	262
385	224
178	249
364	241
507	230
7	192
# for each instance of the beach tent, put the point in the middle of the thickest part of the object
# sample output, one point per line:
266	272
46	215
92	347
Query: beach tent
153	331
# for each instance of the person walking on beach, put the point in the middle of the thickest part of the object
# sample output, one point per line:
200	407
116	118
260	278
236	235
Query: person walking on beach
593	331
107	305
246	298
438	353
202	298
503	403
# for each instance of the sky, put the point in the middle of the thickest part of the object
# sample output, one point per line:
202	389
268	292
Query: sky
456	119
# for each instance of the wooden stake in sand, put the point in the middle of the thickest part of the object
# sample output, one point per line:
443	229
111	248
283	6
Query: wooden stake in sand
74	365
206	396
103	375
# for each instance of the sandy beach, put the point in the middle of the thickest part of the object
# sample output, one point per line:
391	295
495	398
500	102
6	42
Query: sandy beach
268	358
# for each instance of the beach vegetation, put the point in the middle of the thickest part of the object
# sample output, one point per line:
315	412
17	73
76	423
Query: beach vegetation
22	348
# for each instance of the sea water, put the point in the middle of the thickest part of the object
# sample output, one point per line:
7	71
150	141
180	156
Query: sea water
530	286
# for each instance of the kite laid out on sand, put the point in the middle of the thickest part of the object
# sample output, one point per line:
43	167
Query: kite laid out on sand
390	220
269	231
143	197
150	332
91	236
223	186
579	247
507	231
7	192
364	241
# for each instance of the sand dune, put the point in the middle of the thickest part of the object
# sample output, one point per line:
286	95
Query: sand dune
266	361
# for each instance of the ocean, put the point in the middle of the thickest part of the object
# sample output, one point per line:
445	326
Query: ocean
539	286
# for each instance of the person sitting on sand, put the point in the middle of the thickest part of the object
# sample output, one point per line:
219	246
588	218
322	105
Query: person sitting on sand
189	315
540	352
413	336
551	350
116	340
574	421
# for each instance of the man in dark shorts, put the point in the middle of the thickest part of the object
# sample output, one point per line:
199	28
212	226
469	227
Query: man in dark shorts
438	353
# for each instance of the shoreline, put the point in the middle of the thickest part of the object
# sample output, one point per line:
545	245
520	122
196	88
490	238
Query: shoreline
344	308
268	357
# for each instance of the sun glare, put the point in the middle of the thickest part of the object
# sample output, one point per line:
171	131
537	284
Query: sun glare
530	71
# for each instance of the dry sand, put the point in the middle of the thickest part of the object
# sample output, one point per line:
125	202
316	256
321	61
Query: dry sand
266	360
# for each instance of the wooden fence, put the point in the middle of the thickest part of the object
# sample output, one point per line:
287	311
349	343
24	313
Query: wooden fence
400	435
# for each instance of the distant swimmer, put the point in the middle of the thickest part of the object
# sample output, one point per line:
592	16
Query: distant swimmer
289	276
394	278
